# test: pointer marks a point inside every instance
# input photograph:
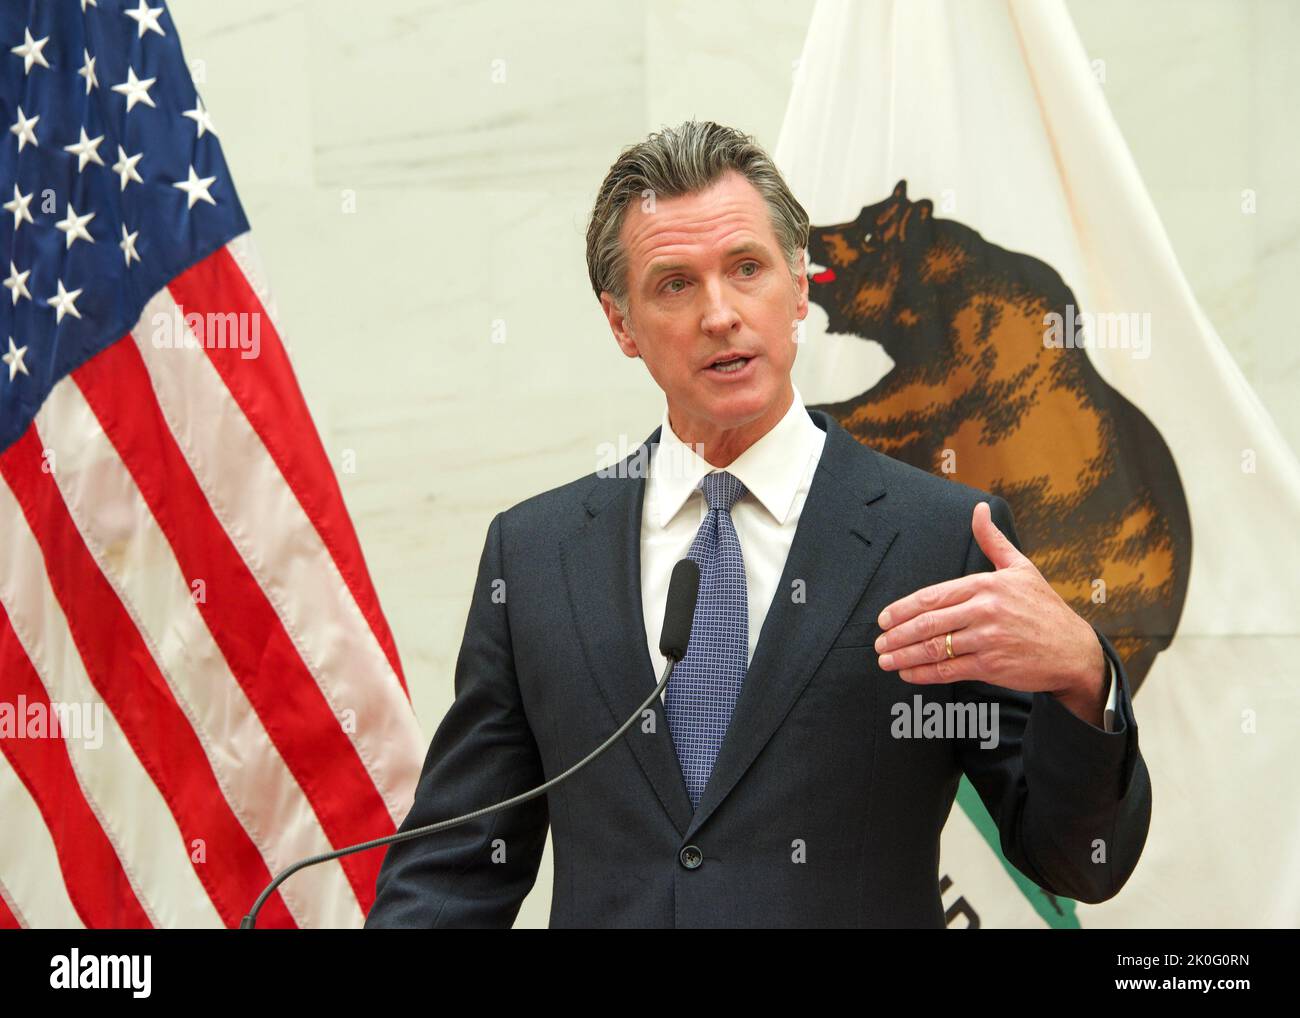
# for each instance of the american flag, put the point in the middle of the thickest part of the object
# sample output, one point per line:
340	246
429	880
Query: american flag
197	683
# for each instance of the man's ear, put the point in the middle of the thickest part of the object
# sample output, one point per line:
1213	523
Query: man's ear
801	288
620	324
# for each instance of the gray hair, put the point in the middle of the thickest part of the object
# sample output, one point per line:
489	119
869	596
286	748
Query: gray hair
678	161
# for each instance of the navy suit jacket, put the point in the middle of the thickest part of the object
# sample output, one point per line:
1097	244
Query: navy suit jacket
815	815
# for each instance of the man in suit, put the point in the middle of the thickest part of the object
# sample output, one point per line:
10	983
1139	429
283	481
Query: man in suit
865	634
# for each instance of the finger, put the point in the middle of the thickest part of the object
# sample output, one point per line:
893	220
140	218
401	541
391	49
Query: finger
929	624
995	545
928	651
959	669
940	595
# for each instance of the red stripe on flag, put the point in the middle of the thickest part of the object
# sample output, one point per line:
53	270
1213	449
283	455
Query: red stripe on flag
124	673
266	390
92	872
258	650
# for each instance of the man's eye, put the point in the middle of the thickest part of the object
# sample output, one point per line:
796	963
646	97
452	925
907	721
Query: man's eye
671	282
754	265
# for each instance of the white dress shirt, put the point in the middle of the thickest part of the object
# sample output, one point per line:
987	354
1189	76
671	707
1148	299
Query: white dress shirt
777	472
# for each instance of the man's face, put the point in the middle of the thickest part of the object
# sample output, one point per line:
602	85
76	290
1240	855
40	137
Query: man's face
706	278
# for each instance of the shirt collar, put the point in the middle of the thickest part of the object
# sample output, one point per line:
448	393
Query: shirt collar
772	468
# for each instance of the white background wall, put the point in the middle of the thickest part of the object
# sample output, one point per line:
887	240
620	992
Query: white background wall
471	198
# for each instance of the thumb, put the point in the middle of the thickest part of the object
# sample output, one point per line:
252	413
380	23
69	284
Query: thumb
995	545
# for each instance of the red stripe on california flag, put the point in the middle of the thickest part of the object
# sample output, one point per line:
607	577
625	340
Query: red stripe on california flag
126	677
252	638
267	392
96	883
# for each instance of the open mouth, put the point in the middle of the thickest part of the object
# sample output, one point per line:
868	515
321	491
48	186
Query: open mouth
733	369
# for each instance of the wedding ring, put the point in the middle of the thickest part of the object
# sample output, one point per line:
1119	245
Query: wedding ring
948	643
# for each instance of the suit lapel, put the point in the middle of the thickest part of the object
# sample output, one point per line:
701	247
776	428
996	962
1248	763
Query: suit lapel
602	570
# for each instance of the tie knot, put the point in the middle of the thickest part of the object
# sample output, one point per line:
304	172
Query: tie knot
721	490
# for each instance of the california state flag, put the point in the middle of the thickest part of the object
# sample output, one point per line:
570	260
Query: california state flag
994	299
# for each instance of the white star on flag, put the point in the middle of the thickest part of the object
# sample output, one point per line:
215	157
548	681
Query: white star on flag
24	127
127	244
30	51
19	208
135	89
125	166
196	188
14	358
88	72
74	226
146	17
201	117
85	150
63	303
17	283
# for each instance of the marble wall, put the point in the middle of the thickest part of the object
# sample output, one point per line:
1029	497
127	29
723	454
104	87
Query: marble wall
418	176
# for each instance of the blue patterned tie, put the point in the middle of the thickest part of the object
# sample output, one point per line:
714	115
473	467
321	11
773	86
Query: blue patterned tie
702	692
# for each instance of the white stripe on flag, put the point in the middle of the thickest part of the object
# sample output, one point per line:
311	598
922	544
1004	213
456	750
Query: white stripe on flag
29	864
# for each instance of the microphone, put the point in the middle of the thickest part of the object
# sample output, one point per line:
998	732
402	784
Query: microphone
683	590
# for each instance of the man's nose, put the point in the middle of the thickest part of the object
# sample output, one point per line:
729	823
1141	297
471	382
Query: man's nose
719	312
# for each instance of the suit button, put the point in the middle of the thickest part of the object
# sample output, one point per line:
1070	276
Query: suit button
691	857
